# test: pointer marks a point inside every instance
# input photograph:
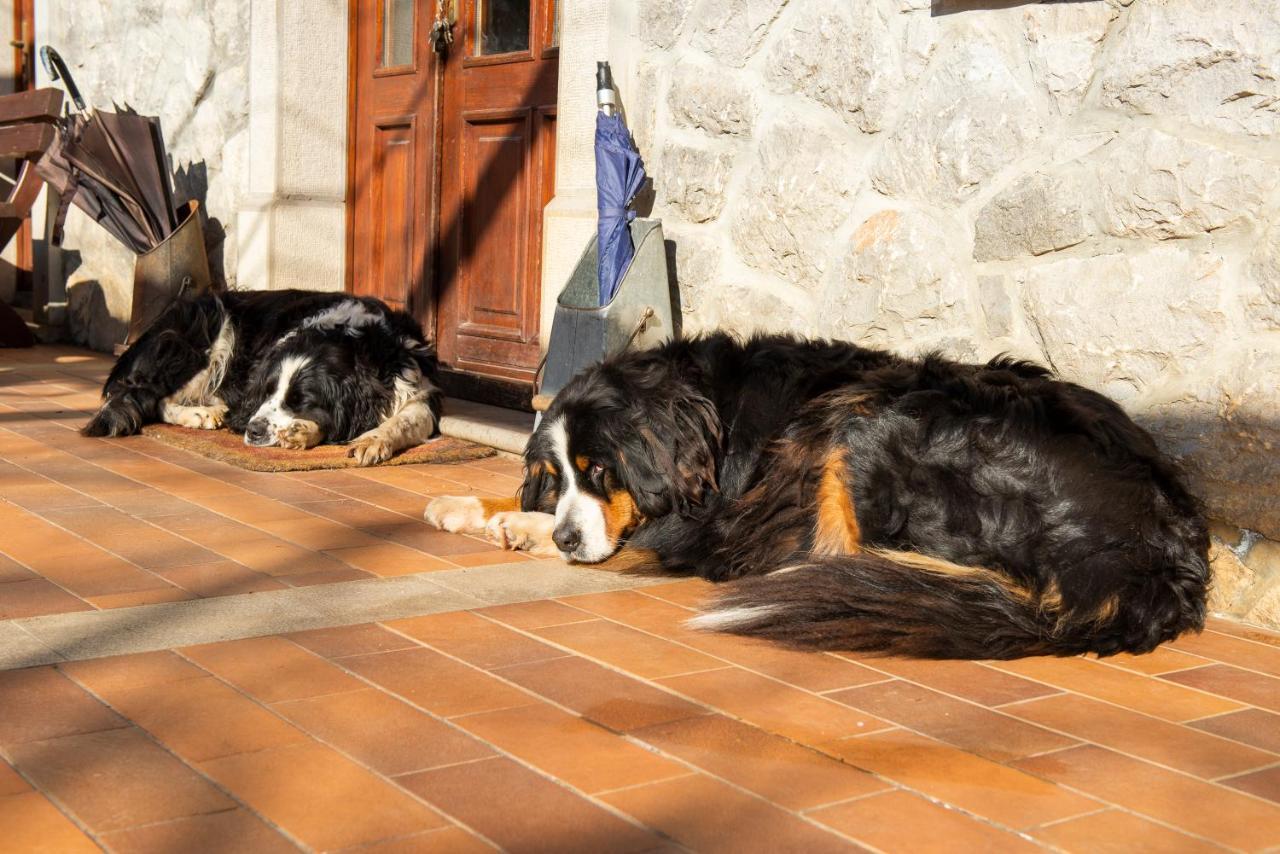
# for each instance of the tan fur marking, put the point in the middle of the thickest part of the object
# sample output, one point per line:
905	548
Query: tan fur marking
499	505
837	528
1107	610
1051	598
928	563
581	462
620	515
632	561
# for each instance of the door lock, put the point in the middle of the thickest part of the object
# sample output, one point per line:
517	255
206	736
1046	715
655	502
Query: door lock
441	35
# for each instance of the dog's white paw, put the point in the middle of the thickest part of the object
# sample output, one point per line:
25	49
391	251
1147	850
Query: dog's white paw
298	435
456	513
196	417
370	449
205	417
530	532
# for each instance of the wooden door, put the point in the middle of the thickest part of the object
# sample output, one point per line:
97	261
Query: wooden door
497	174
391	168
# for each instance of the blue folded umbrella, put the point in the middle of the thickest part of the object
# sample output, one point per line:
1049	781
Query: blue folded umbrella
619	176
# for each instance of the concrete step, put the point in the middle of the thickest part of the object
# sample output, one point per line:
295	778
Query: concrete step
504	429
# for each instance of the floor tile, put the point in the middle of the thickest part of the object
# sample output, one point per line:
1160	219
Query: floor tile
1232	650
997	792
1141	735
535	615
452	840
271	668
564	745
40	703
104	676
1122	687
116	779
549	818
11	783
1264	784
202	719
32	824
438	684
389	736
899	821
776	769
1163	659
1115	832
773	706
607	697
235	831
11	570
968	680
220	578
1250	726
689	592
34	597
1227	681
475	640
316	533
342	641
1236	819
707	815
321	798
628	649
968	726
388	559
168	593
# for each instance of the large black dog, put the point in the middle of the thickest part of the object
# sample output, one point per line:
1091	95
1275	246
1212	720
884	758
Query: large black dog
861	501
290	368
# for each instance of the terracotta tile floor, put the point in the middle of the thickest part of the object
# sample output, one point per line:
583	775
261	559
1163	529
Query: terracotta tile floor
592	722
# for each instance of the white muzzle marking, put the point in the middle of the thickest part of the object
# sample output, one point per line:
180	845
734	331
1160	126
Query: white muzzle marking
580	512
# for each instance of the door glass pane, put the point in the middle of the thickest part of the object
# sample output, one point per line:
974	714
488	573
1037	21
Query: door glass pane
397	33
502	26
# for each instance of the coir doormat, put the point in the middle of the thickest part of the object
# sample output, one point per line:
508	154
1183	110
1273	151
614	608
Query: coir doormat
228	447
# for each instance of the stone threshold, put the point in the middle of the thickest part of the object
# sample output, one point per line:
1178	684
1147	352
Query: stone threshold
504	429
50	639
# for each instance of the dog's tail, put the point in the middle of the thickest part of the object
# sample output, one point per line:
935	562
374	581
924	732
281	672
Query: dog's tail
121	414
905	603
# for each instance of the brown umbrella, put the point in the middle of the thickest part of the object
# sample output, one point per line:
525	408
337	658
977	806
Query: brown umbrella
113	166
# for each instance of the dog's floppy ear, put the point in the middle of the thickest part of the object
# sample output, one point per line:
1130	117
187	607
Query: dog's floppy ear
538	491
667	457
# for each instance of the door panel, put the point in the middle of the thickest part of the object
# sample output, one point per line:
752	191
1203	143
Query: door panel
392	205
394	84
495	155
497	143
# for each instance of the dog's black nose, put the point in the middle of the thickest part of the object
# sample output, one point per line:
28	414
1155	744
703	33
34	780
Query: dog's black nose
257	432
566	539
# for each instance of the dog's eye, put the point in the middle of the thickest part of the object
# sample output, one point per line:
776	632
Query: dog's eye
595	471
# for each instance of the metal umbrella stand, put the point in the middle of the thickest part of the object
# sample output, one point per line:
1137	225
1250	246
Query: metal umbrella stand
620	294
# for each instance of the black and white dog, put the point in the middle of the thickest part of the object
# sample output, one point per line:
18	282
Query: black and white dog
289	368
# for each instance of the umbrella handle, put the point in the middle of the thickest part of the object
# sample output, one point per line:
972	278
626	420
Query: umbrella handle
57	70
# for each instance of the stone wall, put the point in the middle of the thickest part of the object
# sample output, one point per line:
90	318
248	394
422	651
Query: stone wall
1093	185
185	61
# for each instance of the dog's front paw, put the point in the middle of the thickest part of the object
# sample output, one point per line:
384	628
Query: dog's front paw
456	513
369	450
203	417
299	435
530	532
